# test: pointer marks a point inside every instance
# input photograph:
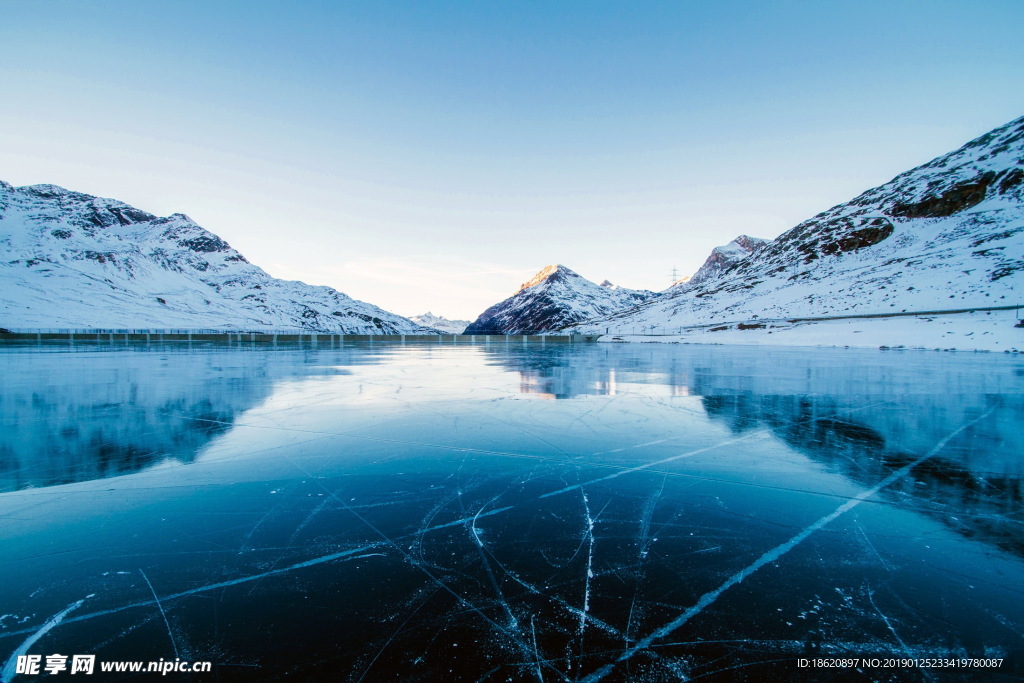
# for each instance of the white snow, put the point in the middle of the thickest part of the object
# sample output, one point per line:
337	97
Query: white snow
555	297
979	331
439	322
71	260
948	235
875	256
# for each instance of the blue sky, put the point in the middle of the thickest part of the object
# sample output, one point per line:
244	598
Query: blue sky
434	155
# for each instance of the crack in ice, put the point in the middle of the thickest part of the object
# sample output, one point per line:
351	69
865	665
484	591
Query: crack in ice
162	613
775	553
12	662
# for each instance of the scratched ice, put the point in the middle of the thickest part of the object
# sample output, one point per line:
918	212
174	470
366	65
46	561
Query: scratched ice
509	512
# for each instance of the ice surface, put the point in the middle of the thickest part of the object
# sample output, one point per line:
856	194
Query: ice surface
414	512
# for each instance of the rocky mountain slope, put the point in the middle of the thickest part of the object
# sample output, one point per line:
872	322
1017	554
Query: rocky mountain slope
946	235
71	260
441	323
554	298
724	257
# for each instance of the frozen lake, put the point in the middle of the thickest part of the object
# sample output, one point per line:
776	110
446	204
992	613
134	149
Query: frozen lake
493	513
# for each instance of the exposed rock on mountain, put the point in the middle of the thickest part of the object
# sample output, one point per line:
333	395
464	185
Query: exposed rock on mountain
554	298
946	235
71	260
724	257
440	323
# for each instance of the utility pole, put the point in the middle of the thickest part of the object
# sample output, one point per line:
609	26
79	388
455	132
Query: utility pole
675	275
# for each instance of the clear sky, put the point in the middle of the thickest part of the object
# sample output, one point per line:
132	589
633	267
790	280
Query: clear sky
434	155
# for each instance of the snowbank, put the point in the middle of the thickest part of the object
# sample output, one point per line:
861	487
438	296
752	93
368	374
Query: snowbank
979	331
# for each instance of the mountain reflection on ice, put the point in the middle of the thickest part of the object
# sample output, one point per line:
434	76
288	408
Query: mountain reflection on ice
397	512
74	414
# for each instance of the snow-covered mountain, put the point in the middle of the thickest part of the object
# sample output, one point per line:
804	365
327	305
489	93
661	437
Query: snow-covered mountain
71	260
946	235
554	298
439	322
724	257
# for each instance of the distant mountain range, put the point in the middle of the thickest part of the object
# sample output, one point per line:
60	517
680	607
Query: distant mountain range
440	323
946	235
71	260
555	298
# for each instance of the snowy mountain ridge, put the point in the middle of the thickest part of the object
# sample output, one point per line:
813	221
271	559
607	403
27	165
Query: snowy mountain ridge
724	257
948	234
439	322
72	260
554	298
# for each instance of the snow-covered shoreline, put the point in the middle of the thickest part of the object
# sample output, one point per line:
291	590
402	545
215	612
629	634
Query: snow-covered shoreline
978	331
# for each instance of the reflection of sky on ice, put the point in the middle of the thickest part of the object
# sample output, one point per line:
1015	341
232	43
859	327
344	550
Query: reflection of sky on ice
390	511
